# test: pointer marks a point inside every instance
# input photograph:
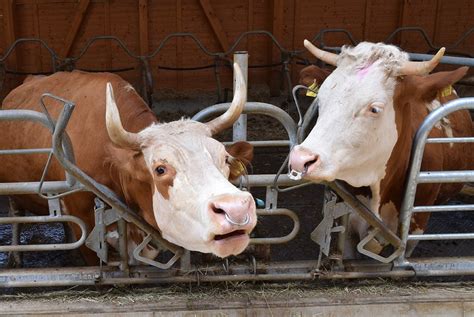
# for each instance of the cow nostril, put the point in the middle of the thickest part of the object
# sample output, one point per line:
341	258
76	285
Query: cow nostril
218	210
309	163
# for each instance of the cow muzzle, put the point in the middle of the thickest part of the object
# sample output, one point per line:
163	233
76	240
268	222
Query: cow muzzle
234	210
302	161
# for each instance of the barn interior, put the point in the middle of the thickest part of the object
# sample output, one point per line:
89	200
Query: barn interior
178	55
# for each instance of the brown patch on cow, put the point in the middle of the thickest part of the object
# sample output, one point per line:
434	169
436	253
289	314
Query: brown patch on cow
164	181
241	155
411	95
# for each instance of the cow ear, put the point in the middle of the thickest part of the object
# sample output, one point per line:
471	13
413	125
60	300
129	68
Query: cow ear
433	83
241	155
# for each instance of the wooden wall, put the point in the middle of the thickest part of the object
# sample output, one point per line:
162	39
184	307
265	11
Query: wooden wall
66	25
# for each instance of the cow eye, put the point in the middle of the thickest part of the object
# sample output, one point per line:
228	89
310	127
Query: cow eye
375	109
160	170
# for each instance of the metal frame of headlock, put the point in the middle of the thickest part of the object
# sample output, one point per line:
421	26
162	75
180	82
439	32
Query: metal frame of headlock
416	176
76	180
295	270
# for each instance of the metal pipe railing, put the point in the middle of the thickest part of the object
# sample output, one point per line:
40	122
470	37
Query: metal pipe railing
416	177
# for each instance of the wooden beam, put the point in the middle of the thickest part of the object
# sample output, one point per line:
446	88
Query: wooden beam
38	57
9	25
367	19
277	30
76	24
108	31
143	23
215	23
179	44
398	40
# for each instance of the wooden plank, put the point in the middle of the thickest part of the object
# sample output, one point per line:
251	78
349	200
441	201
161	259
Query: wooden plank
249	22
436	27
39	60
277	30
179	45
143	25
9	20
215	23
76	24
107	31
367	18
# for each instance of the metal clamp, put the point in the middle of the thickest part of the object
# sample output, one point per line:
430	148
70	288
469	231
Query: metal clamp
370	254
163	266
278	240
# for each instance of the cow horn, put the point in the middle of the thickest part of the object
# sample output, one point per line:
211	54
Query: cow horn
421	68
227	119
117	133
327	57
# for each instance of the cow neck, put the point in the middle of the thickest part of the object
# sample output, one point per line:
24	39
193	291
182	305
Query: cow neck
392	185
135	114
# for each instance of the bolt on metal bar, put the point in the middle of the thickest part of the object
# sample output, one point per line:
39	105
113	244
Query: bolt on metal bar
418	147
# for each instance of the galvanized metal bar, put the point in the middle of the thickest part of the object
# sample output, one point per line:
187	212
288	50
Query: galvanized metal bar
443	208
278	240
263	180
45	120
239	131
254	108
445	177
26	151
45	247
441	236
50	187
286	271
123	244
450	140
452	60
418	148
271	143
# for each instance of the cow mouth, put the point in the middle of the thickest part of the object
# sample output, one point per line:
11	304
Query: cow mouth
236	233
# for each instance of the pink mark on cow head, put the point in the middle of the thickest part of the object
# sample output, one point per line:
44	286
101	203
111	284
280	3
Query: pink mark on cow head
362	72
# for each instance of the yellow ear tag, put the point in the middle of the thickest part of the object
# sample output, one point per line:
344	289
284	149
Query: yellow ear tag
313	90
447	91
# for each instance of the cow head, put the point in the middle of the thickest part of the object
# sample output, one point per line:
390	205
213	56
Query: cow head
187	172
356	130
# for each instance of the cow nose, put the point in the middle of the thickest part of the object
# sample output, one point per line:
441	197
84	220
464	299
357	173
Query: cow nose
234	210
301	159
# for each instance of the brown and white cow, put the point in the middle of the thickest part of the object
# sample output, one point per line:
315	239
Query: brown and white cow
175	175
369	110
